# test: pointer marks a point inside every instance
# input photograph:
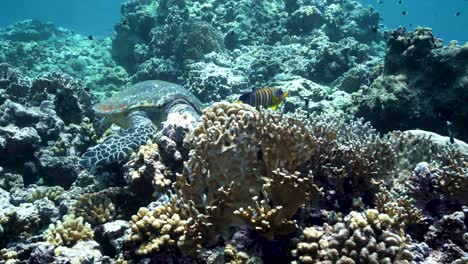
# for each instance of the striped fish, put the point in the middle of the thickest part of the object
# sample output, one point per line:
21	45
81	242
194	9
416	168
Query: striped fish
268	97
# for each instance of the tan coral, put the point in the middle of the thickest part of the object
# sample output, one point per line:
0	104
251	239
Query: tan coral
158	228
453	178
52	193
401	209
236	155
361	238
68	232
233	256
9	257
145	167
95	208
277	190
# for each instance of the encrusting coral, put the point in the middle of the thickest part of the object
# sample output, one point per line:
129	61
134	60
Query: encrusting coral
362	238
95	208
145	167
68	232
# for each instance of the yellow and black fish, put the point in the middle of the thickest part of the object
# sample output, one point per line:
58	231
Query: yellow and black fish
267	97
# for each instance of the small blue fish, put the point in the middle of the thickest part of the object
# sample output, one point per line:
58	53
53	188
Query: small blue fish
268	97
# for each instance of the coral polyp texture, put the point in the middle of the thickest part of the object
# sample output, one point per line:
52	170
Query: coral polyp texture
95	208
156	229
360	238
68	232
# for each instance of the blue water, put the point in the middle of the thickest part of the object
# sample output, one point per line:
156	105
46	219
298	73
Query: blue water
88	17
437	14
97	17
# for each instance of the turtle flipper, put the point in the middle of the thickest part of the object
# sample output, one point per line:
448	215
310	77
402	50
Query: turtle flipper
118	147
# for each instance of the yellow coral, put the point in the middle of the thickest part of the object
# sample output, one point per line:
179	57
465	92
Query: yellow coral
361	238
68	232
233	256
95	208
8	256
401	210
155	229
144	165
52	193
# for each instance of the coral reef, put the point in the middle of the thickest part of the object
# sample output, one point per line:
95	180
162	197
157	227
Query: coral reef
308	183
68	232
360	238
94	208
422	85
34	47
45	125
222	48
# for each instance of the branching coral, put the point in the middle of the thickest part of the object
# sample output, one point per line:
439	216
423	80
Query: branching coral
13	224
68	232
401	209
8	257
361	238
95	208
453	178
52	193
233	256
272	215
158	228
235	147
349	157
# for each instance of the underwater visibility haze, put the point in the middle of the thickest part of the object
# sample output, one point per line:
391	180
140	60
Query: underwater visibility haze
235	131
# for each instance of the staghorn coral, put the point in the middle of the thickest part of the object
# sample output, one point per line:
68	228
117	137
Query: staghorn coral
360	238
349	159
95	208
453	178
52	193
68	232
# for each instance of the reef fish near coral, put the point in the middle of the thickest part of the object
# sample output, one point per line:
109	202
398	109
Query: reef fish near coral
270	97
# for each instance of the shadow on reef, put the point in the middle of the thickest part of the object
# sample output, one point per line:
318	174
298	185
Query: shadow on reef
45	122
423	85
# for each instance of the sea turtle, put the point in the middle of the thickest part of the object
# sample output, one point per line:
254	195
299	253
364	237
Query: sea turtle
139	109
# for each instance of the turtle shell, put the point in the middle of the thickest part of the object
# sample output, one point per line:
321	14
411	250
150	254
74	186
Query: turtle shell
151	95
